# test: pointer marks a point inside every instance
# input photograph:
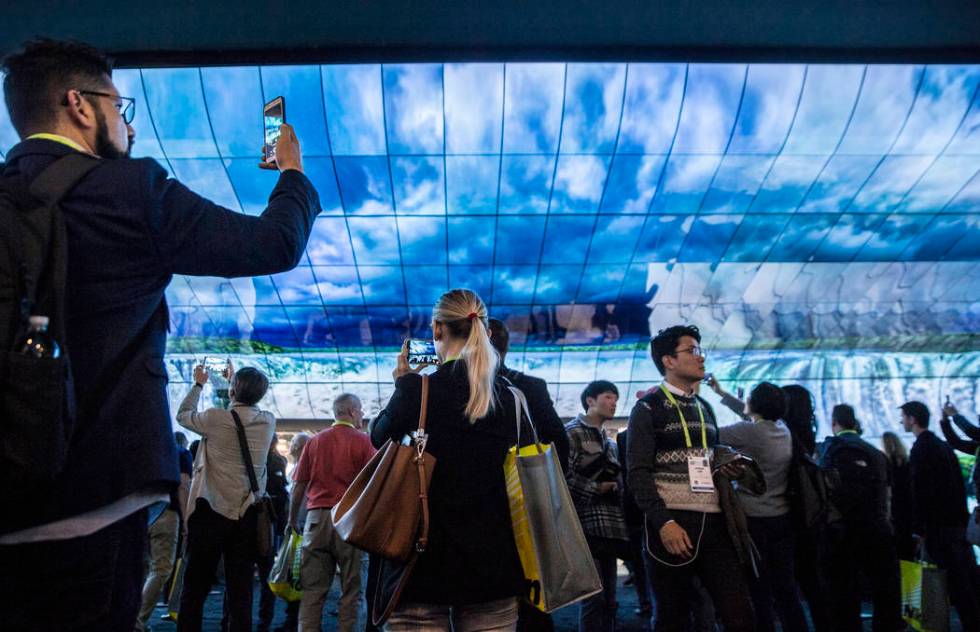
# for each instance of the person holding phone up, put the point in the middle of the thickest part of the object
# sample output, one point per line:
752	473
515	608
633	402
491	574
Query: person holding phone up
130	227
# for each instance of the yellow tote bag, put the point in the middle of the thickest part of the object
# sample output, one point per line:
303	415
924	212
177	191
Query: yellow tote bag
548	534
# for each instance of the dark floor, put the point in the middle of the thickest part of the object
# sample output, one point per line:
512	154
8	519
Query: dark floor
566	619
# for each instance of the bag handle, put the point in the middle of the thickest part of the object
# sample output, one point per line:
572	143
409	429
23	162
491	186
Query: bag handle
520	404
420	440
246	455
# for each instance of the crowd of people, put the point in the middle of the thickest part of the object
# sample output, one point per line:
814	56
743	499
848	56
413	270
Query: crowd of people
709	518
640	496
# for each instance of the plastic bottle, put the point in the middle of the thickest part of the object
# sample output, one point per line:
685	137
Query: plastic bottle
38	342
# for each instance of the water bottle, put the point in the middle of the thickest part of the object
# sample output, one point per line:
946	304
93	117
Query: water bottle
38	342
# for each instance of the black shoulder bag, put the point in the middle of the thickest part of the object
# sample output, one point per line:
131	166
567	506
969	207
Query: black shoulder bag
264	508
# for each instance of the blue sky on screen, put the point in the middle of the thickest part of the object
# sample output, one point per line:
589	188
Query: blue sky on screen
786	209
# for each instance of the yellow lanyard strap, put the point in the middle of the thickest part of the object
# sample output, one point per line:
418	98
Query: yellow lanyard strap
687	435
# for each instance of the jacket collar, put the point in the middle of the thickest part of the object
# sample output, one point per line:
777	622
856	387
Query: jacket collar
38	146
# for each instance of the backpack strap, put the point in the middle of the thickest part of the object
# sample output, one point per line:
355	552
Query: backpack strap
61	176
49	187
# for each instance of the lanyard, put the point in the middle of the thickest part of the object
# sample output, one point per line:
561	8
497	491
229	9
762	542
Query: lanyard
687	435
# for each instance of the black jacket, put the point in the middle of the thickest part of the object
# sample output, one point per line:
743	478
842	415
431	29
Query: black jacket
546	420
938	490
471	557
130	229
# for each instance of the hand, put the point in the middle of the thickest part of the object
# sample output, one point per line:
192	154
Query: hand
675	539
949	410
288	154
402	366
732	471
200	375
608	487
713	383
228	371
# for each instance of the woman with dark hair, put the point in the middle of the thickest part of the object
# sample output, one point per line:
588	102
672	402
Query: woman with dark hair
767	440
470	576
802	424
800	420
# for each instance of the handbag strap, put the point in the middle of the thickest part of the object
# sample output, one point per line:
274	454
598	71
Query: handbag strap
421	439
246	455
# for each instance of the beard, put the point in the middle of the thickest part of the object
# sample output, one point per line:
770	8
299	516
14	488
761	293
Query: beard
103	144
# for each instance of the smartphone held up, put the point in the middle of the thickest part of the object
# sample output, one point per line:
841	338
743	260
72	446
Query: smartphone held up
273	116
422	352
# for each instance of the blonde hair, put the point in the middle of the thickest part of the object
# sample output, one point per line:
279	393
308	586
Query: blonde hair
894	448
464	315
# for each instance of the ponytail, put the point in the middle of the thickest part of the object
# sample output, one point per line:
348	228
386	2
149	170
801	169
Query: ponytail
465	315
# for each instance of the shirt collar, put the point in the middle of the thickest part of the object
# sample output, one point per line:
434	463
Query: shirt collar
341	422
676	391
844	432
64	140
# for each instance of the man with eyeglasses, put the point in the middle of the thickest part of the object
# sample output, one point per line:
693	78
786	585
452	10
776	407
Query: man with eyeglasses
71	551
672	434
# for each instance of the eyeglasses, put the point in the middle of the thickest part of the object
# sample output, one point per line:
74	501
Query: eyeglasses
125	105
697	352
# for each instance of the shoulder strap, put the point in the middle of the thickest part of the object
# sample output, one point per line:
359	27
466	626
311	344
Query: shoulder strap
246	454
422	542
61	176
49	188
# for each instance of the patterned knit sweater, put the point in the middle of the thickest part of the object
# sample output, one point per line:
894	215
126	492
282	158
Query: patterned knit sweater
658	453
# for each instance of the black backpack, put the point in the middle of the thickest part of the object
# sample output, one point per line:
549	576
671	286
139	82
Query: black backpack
37	403
809	504
856	483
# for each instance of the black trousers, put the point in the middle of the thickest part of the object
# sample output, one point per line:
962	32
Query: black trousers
948	548
715	564
776	584
88	583
209	537
849	552
810	576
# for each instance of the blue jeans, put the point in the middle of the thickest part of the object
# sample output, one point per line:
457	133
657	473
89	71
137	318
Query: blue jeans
491	616
598	612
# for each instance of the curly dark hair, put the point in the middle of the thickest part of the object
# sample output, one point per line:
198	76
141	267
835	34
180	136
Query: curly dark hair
666	341
36	78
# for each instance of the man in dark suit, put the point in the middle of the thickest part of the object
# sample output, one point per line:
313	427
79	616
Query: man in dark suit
550	430
546	420
939	512
71	552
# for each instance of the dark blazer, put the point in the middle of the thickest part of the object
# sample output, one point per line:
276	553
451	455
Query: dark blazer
471	557
938	490
130	228
546	420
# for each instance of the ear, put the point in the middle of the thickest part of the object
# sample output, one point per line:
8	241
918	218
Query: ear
79	110
436	331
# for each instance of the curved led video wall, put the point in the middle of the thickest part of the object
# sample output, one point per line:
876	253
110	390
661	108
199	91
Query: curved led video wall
819	223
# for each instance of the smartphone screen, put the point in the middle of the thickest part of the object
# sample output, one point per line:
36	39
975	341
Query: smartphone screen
216	366
273	116
422	352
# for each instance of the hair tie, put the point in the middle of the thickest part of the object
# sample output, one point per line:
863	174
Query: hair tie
471	316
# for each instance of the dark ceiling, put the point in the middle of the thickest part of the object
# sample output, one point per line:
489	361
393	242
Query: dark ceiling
224	32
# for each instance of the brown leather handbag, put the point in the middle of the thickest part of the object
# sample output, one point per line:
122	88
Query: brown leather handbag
385	511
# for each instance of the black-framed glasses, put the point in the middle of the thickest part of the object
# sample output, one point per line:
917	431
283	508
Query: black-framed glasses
697	352
125	105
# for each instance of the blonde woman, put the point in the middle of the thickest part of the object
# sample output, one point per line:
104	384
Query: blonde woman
470	576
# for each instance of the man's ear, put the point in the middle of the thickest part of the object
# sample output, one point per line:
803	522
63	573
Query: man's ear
79	110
